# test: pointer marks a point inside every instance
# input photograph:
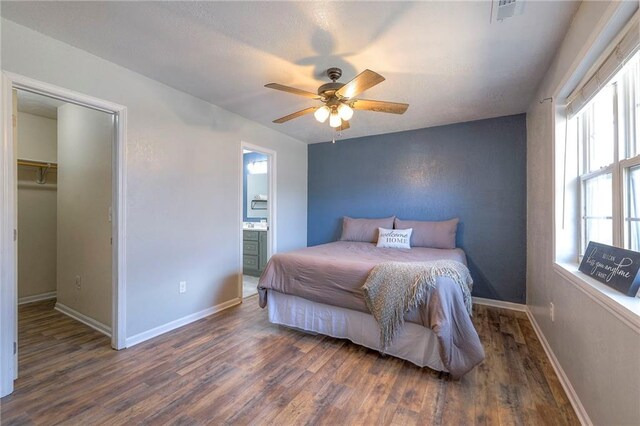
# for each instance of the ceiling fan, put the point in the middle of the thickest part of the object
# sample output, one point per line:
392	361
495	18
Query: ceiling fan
339	99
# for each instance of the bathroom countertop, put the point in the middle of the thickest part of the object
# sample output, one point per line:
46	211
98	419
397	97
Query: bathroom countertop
254	226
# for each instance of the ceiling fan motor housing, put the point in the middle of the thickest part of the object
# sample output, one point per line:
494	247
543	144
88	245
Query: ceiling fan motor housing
327	90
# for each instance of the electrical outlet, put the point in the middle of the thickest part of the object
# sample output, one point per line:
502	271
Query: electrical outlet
552	312
78	283
183	286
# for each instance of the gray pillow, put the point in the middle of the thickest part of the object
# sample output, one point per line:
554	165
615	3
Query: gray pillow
363	230
431	234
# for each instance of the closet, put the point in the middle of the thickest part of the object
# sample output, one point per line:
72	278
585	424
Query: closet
64	171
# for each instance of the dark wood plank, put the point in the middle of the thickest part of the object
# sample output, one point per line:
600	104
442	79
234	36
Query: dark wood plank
235	367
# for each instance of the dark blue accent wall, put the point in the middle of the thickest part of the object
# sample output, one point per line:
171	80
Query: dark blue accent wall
475	171
246	159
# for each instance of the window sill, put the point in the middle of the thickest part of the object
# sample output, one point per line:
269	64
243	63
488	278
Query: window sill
624	307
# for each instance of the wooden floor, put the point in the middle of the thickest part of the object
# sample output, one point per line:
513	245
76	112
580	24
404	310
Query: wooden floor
236	368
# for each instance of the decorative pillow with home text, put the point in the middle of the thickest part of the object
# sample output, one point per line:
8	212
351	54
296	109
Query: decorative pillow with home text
394	238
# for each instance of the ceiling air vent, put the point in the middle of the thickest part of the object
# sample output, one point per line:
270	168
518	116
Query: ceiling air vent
503	9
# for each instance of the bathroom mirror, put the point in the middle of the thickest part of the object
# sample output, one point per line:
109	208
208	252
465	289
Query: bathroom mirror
257	190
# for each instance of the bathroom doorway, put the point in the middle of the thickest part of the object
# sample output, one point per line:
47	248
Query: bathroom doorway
257	201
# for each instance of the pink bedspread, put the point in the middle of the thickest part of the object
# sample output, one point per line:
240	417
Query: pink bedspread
334	274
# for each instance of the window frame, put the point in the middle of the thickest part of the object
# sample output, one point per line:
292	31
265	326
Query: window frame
566	224
619	169
626	166
610	169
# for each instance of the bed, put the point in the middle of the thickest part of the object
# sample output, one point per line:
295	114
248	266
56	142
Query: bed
319	289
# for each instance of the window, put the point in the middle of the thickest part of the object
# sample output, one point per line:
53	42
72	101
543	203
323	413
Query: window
597	166
608	136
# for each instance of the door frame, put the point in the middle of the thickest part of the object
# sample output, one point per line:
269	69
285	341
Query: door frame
8	222
271	204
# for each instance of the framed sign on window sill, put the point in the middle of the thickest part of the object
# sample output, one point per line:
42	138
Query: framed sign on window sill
618	268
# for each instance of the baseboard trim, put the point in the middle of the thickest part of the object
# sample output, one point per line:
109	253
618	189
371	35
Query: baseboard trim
96	325
37	298
564	380
500	304
165	328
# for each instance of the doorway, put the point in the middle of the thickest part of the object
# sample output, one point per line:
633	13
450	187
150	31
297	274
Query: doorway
64	204
257	197
62	192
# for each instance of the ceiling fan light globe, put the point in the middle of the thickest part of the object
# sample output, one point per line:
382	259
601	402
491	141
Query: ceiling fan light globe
322	114
345	112
334	120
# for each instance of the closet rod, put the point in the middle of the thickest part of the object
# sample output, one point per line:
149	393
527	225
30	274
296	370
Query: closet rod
34	163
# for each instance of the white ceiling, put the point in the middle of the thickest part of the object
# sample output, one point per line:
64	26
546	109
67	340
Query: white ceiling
35	104
446	59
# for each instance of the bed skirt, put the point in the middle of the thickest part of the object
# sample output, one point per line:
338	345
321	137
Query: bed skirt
413	342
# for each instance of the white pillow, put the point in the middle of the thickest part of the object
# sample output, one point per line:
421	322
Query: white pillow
394	238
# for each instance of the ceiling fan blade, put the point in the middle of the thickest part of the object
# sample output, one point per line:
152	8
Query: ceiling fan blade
293	90
295	115
379	106
344	126
361	82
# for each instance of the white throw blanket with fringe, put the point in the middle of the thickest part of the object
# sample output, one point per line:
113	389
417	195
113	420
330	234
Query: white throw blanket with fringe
394	288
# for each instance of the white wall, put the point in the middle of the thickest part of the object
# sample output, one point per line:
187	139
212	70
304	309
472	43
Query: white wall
37	140
37	137
598	352
85	141
183	179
